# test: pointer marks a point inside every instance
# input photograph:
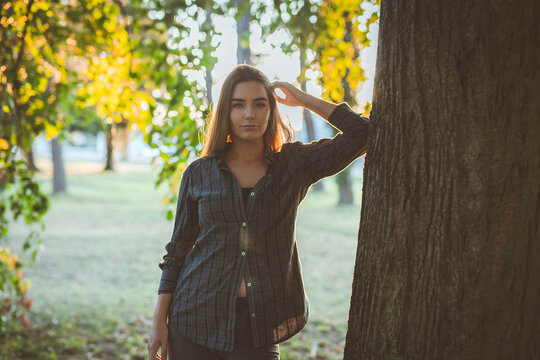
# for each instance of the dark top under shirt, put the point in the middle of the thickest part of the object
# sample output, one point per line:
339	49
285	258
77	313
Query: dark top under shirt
216	239
245	194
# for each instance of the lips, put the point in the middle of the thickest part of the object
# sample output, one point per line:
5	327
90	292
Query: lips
249	126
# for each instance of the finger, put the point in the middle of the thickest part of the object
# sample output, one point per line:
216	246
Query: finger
283	101
283	86
280	85
280	97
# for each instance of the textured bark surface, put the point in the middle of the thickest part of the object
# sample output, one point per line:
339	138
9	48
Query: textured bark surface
448	261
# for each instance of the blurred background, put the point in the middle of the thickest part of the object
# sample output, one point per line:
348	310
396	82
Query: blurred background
102	105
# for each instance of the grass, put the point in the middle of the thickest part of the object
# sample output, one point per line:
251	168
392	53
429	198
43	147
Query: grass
95	283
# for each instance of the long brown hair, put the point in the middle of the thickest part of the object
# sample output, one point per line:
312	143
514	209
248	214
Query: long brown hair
217	132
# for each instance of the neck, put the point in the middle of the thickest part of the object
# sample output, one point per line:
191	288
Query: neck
245	150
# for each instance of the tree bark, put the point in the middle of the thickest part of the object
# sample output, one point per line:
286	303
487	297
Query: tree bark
448	261
59	172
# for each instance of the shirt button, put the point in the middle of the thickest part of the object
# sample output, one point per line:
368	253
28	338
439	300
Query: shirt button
252	193
248	284
243	253
252	314
244	224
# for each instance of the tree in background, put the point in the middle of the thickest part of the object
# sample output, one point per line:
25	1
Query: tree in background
112	85
243	17
331	33
299	19
35	39
208	59
146	66
54	56
448	260
161	40
337	61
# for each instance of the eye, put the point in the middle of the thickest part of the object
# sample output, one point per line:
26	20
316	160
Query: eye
237	105
261	105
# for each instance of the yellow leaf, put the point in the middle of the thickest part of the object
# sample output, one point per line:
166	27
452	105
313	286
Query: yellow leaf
51	131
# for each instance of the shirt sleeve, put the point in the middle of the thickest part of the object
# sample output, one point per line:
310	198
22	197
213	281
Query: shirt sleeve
328	156
185	232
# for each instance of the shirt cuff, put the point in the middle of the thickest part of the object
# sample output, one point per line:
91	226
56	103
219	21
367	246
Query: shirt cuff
167	283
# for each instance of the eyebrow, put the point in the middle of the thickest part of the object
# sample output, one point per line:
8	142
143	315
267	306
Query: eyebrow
257	99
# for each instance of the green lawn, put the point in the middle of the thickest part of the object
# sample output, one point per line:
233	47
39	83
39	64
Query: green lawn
95	283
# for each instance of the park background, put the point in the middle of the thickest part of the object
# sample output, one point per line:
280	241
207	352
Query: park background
106	100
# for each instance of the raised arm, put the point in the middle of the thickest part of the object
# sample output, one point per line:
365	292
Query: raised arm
327	156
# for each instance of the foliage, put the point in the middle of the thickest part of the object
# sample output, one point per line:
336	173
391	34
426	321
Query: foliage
328	34
164	55
13	300
109	85
121	60
338	48
333	33
37	40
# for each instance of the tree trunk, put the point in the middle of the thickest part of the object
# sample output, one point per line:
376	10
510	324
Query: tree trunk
59	172
308	120
343	179
208	69
208	79
109	132
243	53
121	138
448	261
344	183
31	163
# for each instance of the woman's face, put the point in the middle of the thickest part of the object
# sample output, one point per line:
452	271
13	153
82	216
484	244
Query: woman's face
250	111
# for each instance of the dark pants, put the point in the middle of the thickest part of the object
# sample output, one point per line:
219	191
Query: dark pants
184	349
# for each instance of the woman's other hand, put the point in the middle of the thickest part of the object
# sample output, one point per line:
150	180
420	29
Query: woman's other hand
293	95
158	339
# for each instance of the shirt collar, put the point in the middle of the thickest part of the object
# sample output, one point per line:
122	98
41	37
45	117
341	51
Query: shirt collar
269	155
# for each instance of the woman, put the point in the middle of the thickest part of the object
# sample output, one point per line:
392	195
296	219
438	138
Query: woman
231	284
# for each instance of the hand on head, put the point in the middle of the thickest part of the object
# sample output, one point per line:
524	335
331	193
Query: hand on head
293	95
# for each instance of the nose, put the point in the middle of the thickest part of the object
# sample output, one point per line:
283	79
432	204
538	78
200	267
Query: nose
249	113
